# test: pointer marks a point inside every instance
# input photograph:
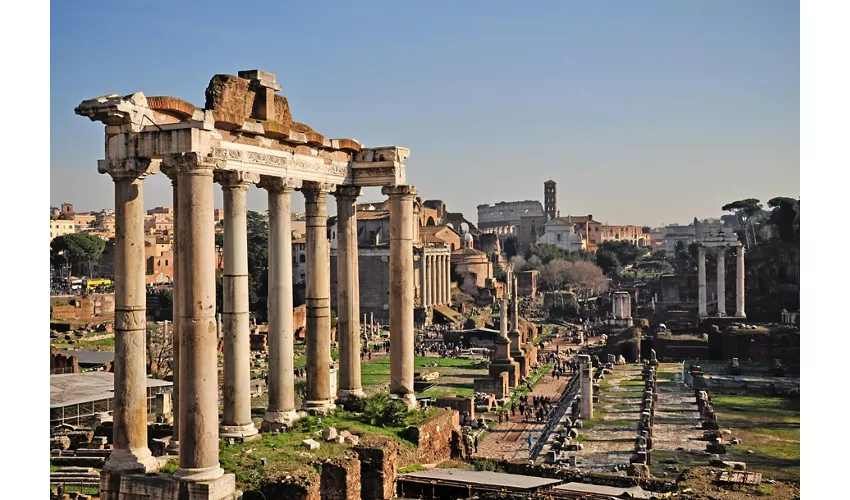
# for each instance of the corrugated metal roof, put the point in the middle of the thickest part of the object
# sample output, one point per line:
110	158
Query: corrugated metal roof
75	388
90	357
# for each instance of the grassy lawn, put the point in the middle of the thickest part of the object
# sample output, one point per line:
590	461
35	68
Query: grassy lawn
769	426
107	344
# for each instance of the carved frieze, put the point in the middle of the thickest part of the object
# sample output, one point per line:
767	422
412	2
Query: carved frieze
283	161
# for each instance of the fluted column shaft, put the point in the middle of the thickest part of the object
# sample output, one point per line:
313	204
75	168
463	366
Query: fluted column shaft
281	408
447	267
701	297
739	284
401	291
348	293
198	405
433	287
721	281
319	397
130	414
235	313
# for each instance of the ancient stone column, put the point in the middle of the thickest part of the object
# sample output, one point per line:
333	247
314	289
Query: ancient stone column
425	278
174	443
586	386
514	306
444	279
348	293
281	408
198	407
703	309
319	398
448	271
721	281
433	273
401	291
236	422
739	284
130	414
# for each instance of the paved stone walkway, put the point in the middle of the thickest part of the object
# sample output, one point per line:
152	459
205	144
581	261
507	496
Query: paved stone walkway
610	441
509	440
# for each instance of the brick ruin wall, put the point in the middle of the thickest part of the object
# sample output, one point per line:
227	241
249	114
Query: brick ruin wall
97	308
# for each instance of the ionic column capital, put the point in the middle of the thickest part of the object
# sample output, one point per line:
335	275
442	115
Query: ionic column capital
128	168
348	192
190	163
404	191
317	188
279	184
236	179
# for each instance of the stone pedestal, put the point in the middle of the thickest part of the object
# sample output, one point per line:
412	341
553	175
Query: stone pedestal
401	292
166	487
236	422
130	452
348	293
281	409
319	398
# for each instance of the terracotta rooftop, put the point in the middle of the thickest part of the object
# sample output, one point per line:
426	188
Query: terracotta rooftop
373	215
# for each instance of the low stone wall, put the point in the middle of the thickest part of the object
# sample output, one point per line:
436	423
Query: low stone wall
433	437
459	404
341	478
76	307
294	488
378	459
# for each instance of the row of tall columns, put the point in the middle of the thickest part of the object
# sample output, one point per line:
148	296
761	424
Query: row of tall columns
740	311
196	425
435	281
401	292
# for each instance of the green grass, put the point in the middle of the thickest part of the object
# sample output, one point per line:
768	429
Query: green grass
285	455
410	468
171	466
55	468
86	490
769	426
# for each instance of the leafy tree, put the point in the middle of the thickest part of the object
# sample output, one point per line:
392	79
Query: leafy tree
786	217
546	253
745	210
608	261
627	253
258	261
511	248
76	248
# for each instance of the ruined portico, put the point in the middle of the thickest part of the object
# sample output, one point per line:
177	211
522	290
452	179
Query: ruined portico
720	240
243	135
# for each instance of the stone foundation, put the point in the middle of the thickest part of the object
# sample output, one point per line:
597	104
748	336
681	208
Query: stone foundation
341	478
165	487
378	469
511	368
433	437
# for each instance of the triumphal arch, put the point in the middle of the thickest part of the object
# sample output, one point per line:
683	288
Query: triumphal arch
244	136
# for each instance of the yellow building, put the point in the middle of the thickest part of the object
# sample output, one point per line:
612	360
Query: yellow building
632	234
61	227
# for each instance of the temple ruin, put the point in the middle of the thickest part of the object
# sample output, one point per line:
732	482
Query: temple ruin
243	136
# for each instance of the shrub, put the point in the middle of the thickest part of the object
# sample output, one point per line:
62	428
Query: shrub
379	409
483	464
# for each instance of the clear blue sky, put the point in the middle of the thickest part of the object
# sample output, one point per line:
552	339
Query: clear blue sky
643	111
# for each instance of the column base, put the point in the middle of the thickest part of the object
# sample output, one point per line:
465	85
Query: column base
237	431
349	394
173	447
319	406
280	420
195	475
138	460
408	399
166	487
